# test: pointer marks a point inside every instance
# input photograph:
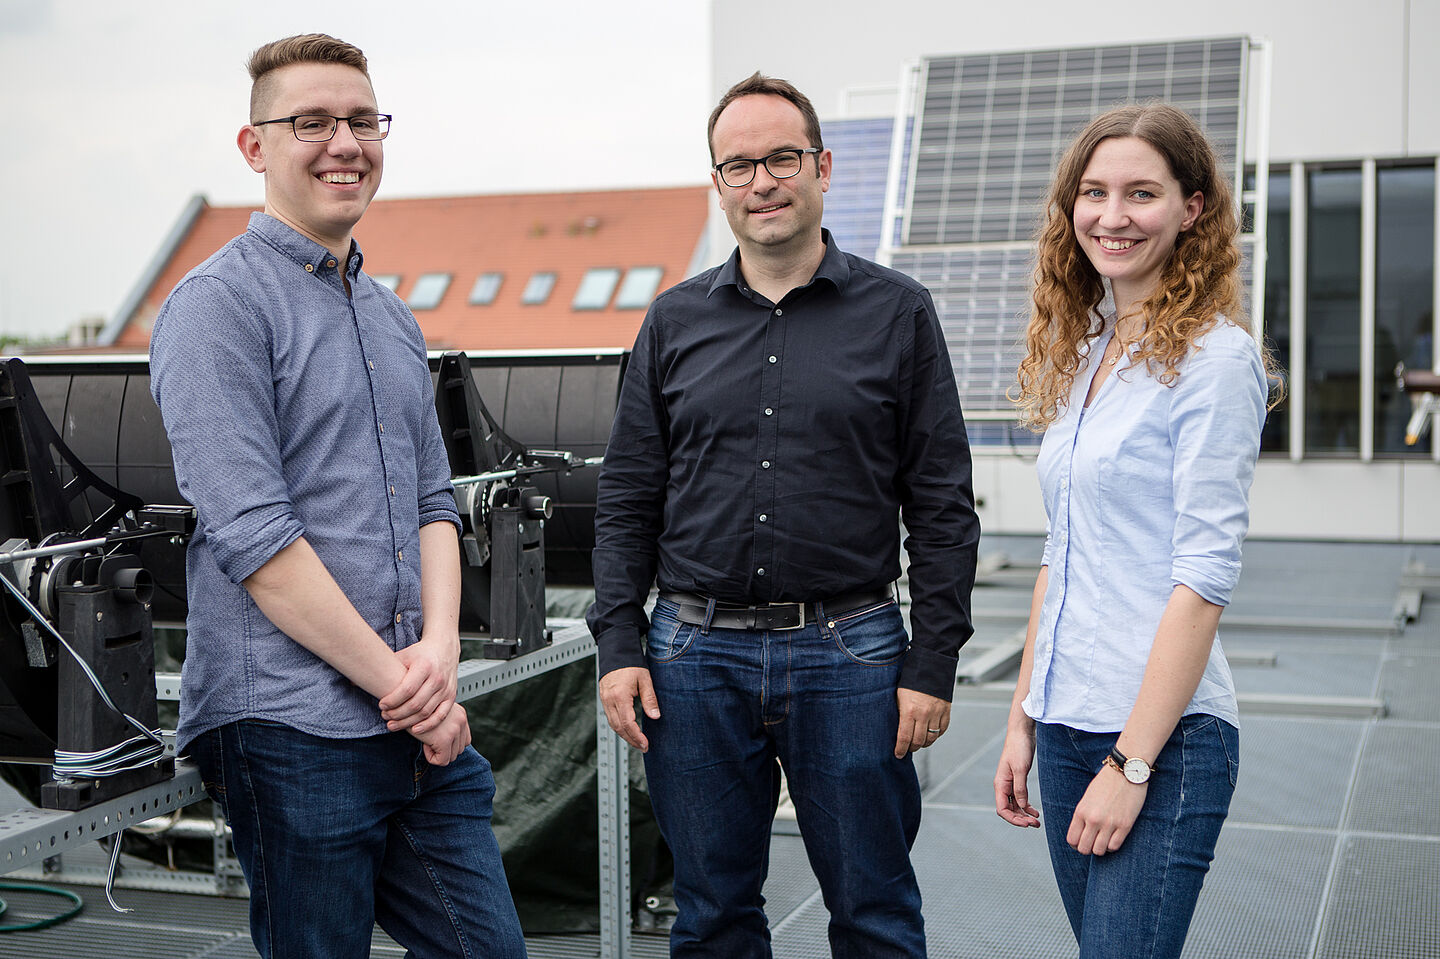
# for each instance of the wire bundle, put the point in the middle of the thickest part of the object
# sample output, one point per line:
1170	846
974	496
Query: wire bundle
137	752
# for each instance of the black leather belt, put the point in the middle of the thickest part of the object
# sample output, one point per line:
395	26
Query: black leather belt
692	610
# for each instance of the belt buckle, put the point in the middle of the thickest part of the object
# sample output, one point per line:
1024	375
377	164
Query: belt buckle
799	612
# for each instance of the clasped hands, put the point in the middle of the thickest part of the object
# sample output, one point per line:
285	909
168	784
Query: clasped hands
423	704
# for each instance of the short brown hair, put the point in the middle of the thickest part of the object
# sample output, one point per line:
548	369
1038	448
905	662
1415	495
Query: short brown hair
758	83
305	48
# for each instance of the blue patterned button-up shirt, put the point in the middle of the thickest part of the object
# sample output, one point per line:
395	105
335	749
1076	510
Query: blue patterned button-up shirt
294	409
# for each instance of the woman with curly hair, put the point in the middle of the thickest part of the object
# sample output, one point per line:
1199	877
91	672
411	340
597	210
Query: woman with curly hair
1152	418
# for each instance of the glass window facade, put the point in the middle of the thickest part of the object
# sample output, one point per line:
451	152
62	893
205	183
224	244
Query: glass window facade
1332	311
1276	437
1404	296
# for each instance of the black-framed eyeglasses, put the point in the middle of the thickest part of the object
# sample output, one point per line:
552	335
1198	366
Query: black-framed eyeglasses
782	164
317	127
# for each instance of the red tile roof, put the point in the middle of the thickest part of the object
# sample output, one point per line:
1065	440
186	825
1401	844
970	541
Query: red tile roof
514	234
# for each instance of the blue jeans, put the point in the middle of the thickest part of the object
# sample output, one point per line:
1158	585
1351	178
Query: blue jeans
1136	903
335	835
820	701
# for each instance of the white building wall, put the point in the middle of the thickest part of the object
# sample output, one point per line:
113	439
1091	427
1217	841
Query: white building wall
1340	74
1423	113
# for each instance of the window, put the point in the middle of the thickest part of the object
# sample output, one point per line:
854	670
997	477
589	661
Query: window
1404	290
486	288
595	289
639	288
537	291
1332	311
1276	436
388	280
429	290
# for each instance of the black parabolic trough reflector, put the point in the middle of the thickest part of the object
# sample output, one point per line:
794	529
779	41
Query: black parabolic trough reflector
557	401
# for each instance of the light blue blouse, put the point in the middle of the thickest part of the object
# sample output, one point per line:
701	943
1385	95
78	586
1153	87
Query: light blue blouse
1145	490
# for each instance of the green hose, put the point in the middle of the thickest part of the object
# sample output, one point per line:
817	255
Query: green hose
73	911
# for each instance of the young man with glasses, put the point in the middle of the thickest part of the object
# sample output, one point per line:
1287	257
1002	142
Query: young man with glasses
318	691
779	416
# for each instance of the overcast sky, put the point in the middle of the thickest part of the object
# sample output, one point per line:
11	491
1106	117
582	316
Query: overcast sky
115	114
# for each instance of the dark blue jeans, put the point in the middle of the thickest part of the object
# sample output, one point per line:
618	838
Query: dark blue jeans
820	701
1137	902
335	835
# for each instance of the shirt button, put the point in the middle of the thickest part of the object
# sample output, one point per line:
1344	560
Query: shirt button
400	553
769	411
760	571
779	312
309	267
764	464
392	491
397	617
382	427
372	364
330	263
764	518
773	360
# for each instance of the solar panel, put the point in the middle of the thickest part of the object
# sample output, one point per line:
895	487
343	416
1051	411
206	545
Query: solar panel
982	295
855	205
988	132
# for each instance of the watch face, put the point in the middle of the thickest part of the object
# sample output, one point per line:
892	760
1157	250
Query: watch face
1136	771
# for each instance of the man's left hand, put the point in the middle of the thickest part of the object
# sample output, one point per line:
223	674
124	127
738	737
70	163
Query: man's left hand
923	720
424	696
448	737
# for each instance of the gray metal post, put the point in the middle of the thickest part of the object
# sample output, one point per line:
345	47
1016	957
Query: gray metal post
612	759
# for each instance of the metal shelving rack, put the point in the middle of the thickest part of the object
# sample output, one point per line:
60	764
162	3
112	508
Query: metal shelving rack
28	837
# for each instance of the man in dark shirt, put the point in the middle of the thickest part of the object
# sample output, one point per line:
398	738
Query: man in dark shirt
779	415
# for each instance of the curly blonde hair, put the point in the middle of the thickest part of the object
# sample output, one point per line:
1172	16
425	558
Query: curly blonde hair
1198	285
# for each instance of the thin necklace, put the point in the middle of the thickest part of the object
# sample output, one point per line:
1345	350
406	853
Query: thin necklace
1112	359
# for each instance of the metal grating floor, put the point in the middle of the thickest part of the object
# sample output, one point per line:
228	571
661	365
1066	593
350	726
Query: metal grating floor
1385	902
1332	850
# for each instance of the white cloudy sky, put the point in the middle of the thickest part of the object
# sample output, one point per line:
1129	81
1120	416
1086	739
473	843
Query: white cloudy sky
115	114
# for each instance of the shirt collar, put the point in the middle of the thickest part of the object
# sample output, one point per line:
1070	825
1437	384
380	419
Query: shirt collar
833	267
311	256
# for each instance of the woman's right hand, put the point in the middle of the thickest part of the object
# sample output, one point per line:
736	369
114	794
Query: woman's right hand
1012	791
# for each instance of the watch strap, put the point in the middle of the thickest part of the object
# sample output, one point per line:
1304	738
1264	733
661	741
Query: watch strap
1120	759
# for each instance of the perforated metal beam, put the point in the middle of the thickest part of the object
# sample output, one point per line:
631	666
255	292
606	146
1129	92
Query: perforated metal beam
29	836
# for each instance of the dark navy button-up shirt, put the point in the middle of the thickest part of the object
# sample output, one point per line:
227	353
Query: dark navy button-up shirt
294	409
765	452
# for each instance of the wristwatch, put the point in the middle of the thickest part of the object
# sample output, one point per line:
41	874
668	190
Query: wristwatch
1135	770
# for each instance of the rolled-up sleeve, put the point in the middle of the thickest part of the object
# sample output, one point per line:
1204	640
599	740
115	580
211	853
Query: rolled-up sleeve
436	492
211	377
1215	420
